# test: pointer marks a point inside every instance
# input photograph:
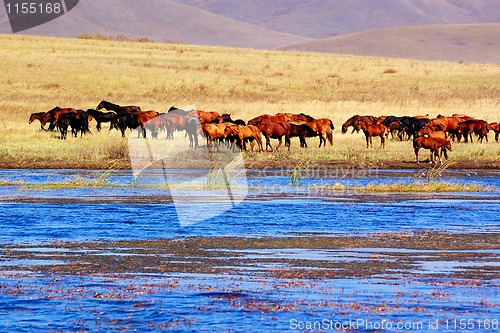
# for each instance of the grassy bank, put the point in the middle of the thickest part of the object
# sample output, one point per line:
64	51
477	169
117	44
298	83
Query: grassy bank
40	73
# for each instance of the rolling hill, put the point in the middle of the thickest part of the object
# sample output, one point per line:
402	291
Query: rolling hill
322	19
470	43
160	20
435	30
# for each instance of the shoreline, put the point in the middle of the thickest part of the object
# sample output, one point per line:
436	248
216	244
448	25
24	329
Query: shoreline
265	165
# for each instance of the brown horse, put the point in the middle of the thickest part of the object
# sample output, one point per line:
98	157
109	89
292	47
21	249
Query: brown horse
479	127
449	125
244	133
324	127
427	131
438	124
176	122
267	117
143	117
373	130
37	116
214	132
495	128
155	124
208	117
438	147
272	130
355	120
395	129
295	117
52	116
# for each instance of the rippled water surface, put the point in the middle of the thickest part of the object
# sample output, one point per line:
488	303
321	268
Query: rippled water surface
37	215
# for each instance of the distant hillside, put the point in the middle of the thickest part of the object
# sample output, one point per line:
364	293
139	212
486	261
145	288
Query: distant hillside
159	20
471	43
309	25
322	19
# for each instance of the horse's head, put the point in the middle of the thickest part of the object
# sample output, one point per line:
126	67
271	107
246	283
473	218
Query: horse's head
32	119
344	129
230	130
425	130
460	128
101	105
304	117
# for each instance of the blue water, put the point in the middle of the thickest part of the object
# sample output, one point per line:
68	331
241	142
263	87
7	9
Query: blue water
308	211
32	302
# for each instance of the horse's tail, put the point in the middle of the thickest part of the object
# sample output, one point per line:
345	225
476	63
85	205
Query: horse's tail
331	125
329	136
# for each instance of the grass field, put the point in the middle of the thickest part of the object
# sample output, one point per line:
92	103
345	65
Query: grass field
40	73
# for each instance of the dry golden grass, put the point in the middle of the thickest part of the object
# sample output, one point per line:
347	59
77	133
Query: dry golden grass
40	73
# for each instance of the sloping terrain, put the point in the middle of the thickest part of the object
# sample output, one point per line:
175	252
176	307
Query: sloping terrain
322	19
160	20
470	43
433	30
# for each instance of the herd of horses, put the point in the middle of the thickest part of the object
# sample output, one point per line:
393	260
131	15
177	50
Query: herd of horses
434	134
215	127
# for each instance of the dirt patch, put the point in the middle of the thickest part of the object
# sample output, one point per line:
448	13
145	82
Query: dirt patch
472	255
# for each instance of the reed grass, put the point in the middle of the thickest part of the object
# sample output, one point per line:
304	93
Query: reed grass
432	186
39	73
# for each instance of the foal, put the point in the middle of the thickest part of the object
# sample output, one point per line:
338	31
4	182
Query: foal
373	130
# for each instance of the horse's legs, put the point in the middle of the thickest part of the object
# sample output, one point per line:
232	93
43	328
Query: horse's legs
367	141
438	155
382	141
371	142
416	154
303	143
196	145
280	141
259	143
268	142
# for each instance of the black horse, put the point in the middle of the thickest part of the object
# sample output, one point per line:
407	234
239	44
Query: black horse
193	128
117	108
104	117
128	120
226	118
411	126
302	132
78	121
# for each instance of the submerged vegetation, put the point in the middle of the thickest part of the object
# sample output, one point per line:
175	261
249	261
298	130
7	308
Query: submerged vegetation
416	186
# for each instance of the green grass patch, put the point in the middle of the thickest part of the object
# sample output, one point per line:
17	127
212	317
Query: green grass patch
416	186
